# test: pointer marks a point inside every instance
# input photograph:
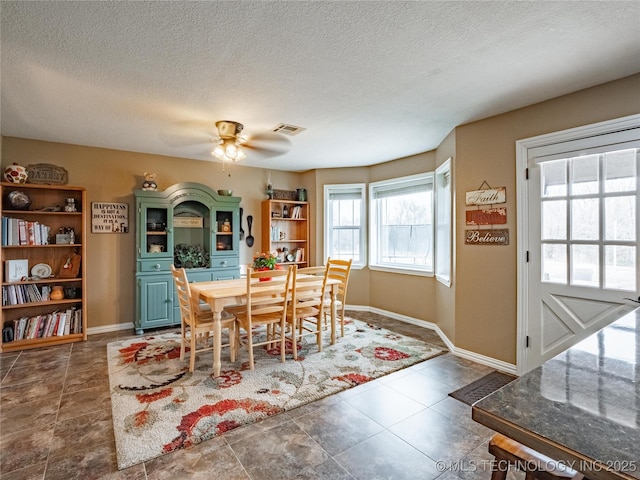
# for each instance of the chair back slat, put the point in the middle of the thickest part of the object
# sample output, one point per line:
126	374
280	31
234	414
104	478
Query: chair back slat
339	270
267	297
308	291
184	294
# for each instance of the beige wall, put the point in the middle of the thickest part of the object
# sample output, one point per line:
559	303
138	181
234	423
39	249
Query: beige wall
112	176
486	290
478	312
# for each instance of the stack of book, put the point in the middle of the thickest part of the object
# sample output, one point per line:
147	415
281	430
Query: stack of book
16	231
57	323
296	212
23	293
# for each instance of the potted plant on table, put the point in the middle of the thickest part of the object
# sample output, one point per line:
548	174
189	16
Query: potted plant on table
264	261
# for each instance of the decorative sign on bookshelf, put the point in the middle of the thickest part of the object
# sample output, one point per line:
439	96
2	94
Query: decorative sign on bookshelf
109	217
284	194
47	174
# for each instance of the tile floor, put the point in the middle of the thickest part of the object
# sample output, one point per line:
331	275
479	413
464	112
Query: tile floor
55	423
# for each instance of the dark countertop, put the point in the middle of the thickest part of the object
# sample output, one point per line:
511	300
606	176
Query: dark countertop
581	406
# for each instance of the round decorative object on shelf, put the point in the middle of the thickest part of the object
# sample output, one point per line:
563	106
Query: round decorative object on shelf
15	174
57	293
19	200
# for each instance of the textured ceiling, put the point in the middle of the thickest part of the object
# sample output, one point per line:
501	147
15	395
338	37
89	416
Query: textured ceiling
370	81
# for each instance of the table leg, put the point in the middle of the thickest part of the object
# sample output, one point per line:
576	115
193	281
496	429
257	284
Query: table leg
217	338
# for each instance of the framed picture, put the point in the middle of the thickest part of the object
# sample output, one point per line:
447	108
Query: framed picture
108	217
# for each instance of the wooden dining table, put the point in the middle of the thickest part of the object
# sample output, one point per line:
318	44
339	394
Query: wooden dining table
220	293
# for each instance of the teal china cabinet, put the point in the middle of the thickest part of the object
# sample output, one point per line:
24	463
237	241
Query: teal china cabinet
189	225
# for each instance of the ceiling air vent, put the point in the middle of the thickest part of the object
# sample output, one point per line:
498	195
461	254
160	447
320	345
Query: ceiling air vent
287	129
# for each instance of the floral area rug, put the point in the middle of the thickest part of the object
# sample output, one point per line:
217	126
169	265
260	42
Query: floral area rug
159	407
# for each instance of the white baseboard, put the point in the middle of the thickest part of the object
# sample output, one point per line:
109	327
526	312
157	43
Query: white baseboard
116	327
460	352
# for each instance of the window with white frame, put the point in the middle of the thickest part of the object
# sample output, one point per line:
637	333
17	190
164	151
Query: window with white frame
401	224
345	234
443	222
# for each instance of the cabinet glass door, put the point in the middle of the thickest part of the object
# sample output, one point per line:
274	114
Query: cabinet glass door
226	231
157	239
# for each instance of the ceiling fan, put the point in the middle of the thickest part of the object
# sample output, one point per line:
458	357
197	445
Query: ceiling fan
231	142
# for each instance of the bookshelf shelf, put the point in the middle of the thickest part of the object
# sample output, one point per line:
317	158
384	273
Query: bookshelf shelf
285	230
31	235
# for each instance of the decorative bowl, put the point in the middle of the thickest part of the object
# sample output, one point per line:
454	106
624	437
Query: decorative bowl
225	193
19	200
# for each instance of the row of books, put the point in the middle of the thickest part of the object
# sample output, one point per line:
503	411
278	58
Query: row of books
57	323
275	234
17	231
296	212
24	293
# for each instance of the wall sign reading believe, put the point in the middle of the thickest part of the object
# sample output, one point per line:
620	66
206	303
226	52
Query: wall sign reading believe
109	217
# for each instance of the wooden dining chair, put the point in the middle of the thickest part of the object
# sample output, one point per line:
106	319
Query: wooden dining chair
305	310
509	453
266	305
338	270
318	270
196	325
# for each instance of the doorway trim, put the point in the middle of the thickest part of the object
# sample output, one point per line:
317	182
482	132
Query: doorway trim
522	188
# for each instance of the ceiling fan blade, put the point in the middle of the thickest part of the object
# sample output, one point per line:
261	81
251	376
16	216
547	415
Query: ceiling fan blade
178	140
265	151
270	138
268	144
186	133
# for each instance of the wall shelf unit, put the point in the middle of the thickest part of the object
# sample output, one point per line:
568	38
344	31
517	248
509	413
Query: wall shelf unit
285	230
29	234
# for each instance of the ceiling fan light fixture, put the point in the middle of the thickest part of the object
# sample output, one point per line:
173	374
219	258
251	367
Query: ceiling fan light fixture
228	150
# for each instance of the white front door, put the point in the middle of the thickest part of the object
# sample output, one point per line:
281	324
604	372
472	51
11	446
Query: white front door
581	241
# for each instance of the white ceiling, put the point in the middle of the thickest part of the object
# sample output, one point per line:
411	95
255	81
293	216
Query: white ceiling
370	81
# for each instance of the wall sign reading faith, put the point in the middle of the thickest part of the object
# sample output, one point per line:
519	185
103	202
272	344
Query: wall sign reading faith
488	196
487	237
109	217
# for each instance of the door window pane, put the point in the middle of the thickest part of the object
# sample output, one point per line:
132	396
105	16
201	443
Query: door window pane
554	261
584	175
620	170
620	267
554	178
585	217
620	218
554	220
585	265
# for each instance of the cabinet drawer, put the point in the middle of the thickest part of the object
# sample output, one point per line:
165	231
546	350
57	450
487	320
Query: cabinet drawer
159	265
224	262
198	276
